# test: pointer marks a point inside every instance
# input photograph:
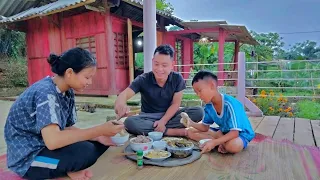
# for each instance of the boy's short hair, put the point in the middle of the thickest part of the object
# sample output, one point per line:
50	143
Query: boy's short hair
202	75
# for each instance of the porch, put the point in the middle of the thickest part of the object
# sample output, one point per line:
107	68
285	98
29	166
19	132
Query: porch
279	157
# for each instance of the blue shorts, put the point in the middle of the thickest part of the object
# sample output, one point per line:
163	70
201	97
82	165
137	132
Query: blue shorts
244	140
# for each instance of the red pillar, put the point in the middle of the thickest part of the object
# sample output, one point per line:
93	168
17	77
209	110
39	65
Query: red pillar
236	57
222	38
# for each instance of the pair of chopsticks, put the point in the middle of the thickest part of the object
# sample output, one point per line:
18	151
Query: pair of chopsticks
126	154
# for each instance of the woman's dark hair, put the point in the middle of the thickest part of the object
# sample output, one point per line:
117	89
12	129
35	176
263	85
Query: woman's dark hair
75	58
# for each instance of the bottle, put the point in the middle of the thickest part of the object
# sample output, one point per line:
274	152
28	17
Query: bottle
140	159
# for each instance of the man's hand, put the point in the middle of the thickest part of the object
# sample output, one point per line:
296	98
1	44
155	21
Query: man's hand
121	109
208	146
160	126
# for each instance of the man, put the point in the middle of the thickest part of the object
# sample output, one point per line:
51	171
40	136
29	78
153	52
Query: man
161	94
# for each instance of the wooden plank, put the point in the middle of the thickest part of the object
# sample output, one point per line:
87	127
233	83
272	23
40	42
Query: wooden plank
285	129
316	131
130	51
268	125
302	132
255	121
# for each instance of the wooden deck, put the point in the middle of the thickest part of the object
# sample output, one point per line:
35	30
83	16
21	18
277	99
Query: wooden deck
298	130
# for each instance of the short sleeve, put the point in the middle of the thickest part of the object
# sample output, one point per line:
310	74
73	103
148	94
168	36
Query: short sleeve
207	119
234	122
47	109
72	118
137	84
181	85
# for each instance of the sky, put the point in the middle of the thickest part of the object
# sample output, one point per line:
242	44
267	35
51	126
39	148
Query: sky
262	16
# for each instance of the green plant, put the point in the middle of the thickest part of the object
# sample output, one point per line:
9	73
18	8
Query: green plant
12	43
15	74
190	97
270	105
308	109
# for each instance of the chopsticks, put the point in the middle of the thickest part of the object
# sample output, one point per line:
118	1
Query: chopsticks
126	154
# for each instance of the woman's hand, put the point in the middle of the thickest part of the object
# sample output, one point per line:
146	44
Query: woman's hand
111	128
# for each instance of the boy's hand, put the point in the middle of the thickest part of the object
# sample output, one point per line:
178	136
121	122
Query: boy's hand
208	146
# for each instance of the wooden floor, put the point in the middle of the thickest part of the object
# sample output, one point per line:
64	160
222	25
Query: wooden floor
298	130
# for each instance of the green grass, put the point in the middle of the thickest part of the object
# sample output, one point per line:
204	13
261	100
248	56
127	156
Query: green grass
308	109
190	97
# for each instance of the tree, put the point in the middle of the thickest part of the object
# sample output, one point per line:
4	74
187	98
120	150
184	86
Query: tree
305	50
271	45
165	6
12	43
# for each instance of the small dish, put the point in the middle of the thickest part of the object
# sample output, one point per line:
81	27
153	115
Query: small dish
120	139
156	155
159	145
202	141
155	136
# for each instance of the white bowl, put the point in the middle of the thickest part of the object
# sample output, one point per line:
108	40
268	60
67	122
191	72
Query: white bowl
120	140
156	136
156	159
159	145
202	141
140	146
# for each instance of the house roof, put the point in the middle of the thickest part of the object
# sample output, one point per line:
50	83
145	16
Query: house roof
28	9
139	3
10	7
51	8
236	32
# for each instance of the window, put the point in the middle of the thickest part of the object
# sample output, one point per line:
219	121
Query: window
179	45
87	43
121	50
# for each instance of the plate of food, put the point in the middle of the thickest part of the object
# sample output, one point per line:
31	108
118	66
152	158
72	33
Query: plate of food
180	148
168	139
156	155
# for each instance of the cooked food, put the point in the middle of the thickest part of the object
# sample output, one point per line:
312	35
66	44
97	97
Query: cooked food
181	143
184	119
167	139
157	154
141	139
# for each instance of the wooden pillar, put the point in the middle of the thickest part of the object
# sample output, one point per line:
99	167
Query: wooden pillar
110	52
130	51
222	38
236	57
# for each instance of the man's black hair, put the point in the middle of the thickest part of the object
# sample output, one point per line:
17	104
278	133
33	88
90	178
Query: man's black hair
165	49
203	74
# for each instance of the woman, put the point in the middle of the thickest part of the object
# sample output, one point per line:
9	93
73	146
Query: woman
41	140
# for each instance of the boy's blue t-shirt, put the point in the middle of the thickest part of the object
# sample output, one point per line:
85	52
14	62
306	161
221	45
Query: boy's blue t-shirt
232	117
40	105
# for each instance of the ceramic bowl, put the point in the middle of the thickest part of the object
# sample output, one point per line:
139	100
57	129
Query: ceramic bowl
180	152
159	145
202	141
156	159
120	140
156	136
140	146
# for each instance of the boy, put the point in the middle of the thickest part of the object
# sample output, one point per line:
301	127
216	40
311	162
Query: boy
235	131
